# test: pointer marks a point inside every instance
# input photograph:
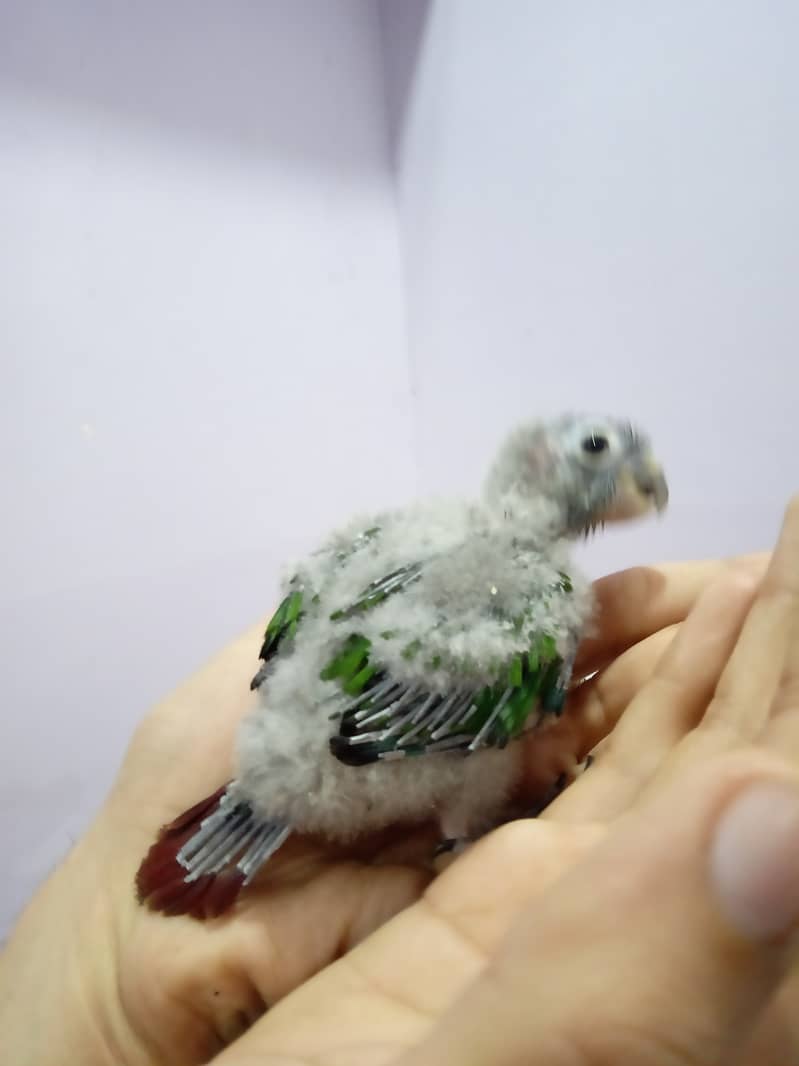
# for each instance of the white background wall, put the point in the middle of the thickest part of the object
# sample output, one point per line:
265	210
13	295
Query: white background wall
203	360
204	357
599	209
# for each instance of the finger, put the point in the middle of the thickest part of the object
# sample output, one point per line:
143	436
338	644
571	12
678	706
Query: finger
775	1041
766	652
284	938
663	945
220	978
381	995
782	731
591	713
782	735
667	706
632	604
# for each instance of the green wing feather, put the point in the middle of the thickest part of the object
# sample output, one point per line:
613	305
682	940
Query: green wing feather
388	719
282	626
284	623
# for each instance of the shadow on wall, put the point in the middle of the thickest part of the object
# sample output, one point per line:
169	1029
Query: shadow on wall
403	24
227	73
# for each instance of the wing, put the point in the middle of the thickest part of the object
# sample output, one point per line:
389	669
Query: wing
300	598
389	718
282	627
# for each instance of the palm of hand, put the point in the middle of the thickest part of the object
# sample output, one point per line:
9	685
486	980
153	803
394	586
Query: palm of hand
187	989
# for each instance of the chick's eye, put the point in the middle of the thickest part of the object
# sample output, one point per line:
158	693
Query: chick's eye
595	444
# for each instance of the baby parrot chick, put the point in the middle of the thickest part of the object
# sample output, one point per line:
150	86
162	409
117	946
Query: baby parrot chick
408	655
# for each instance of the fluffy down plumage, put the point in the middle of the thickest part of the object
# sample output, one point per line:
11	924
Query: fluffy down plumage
409	653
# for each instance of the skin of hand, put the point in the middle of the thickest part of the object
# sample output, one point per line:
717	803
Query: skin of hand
91	975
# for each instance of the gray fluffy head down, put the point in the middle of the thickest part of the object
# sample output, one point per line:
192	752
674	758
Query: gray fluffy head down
482	564
588	468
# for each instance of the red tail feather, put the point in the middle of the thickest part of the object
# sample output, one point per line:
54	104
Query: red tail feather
161	880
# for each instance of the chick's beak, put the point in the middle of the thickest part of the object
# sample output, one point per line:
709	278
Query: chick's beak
651	482
640	488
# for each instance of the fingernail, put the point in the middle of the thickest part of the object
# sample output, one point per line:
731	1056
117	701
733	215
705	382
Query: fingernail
754	860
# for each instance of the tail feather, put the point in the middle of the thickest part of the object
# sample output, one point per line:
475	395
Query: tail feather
197	812
202	860
207	897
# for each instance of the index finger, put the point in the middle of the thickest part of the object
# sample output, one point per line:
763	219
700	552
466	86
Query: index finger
633	604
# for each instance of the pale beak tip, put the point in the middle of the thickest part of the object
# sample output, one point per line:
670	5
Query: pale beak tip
653	485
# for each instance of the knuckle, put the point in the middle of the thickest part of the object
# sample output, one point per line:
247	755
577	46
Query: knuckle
515	838
741	576
787	698
737	762
663	1044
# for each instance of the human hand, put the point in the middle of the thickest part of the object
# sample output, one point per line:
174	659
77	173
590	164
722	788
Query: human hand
176	991
648	918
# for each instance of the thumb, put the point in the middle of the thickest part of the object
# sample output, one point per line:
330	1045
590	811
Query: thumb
662	947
